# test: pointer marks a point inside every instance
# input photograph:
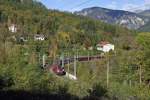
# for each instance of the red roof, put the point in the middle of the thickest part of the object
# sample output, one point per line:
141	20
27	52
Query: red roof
102	43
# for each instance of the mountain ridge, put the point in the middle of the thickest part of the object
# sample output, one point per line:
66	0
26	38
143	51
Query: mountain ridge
127	19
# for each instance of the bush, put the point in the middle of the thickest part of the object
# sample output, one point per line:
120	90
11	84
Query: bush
98	91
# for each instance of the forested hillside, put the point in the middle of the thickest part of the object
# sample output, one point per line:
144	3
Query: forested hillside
21	74
146	27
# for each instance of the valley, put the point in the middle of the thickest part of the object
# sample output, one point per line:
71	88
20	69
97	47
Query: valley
92	54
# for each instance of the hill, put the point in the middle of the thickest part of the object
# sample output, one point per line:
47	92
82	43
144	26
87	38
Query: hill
32	18
145	13
146	27
120	17
24	74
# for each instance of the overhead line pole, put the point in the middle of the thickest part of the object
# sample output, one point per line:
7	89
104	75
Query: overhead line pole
75	65
108	71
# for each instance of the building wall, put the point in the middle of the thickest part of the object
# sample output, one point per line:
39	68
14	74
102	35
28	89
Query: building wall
13	29
106	48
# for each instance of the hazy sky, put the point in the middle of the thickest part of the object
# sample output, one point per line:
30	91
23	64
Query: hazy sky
73	5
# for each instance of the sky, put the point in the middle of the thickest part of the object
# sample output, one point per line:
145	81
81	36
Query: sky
76	5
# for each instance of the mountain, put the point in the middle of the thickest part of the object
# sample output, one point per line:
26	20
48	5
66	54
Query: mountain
145	13
146	27
138	11
124	18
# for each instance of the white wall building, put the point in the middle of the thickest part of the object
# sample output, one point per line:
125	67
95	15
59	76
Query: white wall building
39	37
105	47
12	28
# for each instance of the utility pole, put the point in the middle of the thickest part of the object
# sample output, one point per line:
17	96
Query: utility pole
88	56
43	61
75	70
68	63
140	74
108	71
39	58
62	59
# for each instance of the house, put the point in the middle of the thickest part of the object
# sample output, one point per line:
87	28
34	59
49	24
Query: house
12	28
39	37
105	46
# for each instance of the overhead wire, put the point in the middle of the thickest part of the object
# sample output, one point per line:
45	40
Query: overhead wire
82	3
88	1
78	5
135	8
138	7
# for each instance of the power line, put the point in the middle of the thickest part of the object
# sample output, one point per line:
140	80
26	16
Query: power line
64	4
78	5
85	2
138	7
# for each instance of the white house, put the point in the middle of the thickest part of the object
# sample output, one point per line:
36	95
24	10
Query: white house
39	37
12	28
105	46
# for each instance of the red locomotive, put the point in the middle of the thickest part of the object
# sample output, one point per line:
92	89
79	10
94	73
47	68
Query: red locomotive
58	70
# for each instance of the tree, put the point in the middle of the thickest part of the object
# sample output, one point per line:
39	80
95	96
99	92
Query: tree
143	40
